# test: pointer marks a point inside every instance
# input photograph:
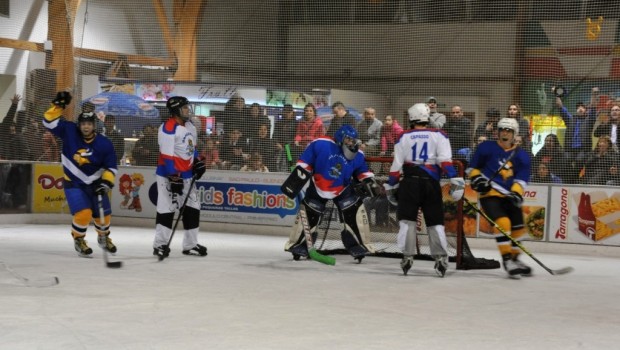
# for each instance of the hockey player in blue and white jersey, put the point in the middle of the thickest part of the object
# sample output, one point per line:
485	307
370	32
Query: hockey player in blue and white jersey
331	164
89	165
499	171
421	155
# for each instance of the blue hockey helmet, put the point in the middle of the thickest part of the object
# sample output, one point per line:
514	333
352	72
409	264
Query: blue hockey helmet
342	135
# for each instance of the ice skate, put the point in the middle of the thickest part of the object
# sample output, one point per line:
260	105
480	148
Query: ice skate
441	266
358	252
198	250
299	251
511	267
105	242
524	270
82	247
162	251
406	263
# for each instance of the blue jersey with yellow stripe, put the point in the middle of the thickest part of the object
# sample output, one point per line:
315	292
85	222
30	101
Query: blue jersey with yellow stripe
491	156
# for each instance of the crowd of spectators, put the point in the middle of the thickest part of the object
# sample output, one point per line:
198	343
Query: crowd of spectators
251	141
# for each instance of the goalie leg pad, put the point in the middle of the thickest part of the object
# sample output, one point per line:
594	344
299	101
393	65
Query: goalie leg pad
295	182
356	233
406	239
297	240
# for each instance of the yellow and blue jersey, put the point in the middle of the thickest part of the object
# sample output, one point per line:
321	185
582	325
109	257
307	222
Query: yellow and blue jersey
514	174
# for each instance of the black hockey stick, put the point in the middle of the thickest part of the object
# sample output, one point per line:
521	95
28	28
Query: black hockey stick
561	271
108	263
181	211
45	282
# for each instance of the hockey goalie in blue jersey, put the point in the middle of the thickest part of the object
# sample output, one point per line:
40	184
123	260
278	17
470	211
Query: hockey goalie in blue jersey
331	165
89	165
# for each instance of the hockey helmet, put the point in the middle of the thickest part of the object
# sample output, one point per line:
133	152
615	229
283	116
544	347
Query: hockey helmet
419	113
87	117
349	149
174	105
508	123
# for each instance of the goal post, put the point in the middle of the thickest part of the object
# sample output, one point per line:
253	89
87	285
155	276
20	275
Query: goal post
384	225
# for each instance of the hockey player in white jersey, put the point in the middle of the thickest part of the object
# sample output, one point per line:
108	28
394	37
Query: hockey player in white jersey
421	155
331	164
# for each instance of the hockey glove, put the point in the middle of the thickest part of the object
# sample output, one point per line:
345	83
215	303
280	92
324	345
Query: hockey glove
391	193
515	199
103	186
457	188
199	168
176	184
480	184
372	189
63	98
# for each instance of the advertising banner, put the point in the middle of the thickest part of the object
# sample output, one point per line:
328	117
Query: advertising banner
48	195
585	215
229	197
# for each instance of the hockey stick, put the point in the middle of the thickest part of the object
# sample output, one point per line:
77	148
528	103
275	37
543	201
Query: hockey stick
45	282
510	156
561	271
108	263
181	211
312	252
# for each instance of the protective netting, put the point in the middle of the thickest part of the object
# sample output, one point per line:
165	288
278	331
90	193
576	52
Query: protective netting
384	227
377	57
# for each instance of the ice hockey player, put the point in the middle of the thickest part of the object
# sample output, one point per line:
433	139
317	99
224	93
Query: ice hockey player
330	165
499	171
421	155
89	165
178	163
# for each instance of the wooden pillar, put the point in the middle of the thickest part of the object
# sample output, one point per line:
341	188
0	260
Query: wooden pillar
187	15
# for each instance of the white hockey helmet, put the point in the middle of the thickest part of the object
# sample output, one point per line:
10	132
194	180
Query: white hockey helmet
508	123
419	113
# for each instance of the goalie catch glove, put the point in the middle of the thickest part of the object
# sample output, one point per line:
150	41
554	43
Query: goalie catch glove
199	168
480	184
457	188
372	189
63	98
515	198
103	186
176	185
391	193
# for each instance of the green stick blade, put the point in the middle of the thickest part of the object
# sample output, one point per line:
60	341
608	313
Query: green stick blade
324	259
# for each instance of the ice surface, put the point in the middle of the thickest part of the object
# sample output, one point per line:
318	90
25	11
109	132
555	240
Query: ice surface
249	294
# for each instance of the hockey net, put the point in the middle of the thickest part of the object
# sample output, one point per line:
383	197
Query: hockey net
384	226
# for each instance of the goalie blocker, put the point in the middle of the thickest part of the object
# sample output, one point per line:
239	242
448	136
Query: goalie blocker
295	182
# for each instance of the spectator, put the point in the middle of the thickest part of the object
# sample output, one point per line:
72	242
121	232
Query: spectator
255	163
601	166
309	128
234	113
390	133
109	130
341	117
578	136
459	129
437	120
233	151
51	151
609	127
488	129
209	154
32	138
255	118
146	149
552	155
514	111
541	174
8	132
264	145
369	130
284	135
